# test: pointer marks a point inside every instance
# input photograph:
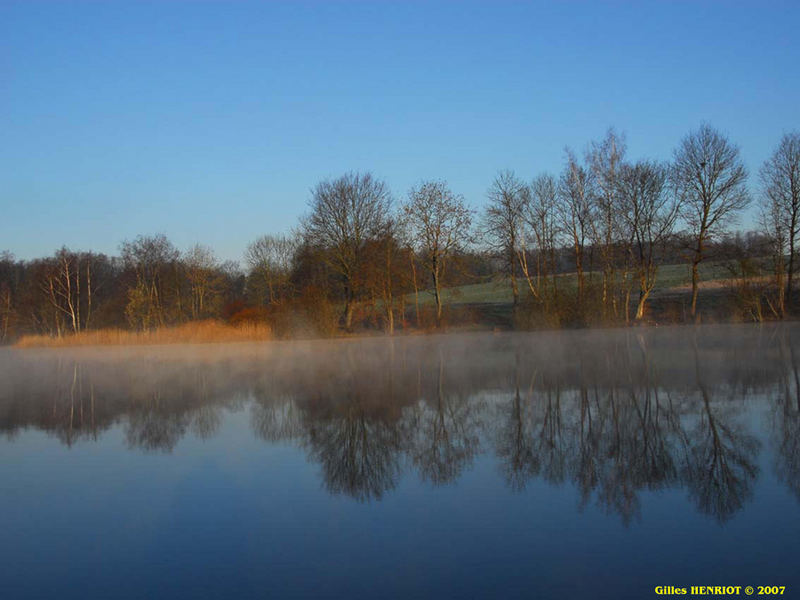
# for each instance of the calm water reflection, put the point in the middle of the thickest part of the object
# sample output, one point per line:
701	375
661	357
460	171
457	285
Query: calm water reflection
600	464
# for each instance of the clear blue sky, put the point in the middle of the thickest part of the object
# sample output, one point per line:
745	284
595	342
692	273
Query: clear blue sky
210	121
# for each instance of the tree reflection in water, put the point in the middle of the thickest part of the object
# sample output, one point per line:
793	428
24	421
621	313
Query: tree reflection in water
721	468
786	416
359	453
613	414
444	432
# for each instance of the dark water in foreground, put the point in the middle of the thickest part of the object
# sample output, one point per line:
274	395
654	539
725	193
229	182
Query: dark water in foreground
579	464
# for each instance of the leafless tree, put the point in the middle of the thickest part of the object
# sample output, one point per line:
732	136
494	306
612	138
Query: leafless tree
202	272
648	214
68	286
66	281
150	257
776	226
575	211
710	179
345	214
381	273
505	222
438	223
605	159
541	218
7	289
270	261
780	180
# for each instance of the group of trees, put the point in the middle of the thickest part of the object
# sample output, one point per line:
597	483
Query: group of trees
151	284
360	258
617	217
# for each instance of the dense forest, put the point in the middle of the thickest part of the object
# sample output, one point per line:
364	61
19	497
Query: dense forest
579	248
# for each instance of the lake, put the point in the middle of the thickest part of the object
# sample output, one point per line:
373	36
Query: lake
581	464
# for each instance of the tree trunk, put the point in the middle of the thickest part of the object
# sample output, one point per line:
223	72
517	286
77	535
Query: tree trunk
416	288
695	281
6	314
436	291
388	298
514	288
579	269
348	311
88	294
389	317
791	268
627	305
437	295
640	306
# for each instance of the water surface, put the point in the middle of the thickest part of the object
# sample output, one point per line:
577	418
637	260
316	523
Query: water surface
572	464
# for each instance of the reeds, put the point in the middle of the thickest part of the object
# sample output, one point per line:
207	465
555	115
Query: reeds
196	332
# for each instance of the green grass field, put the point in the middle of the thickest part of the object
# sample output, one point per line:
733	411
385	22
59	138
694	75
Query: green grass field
499	291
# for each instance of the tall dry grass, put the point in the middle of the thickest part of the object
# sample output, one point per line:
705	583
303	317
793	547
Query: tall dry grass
197	332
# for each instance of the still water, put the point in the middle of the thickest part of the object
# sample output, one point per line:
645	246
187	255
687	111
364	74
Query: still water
585	464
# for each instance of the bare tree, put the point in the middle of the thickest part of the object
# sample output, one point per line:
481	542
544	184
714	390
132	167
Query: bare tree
505	222
8	286
382	273
203	274
438	224
648	214
64	288
605	159
150	258
540	215
66	282
780	180
270	261
390	254
710	179
575	211
345	214
774	224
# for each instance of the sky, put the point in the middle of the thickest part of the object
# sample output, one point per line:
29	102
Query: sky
211	122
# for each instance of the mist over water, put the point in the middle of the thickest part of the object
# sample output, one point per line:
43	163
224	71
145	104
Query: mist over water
441	466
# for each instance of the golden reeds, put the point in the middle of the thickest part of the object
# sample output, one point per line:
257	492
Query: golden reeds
196	332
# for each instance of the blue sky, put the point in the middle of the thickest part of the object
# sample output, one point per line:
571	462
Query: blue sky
210	122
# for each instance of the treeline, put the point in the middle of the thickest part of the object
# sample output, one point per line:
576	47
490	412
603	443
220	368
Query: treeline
579	248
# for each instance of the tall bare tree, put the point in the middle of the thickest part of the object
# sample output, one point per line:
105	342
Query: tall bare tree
382	273
151	258
270	261
345	214
66	282
710	179
505	222
575	212
605	159
542	220
780	180
648	214
438	223
8	288
775	225
205	281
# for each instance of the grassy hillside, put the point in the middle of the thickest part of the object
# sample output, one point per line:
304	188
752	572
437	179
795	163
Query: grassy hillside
670	278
